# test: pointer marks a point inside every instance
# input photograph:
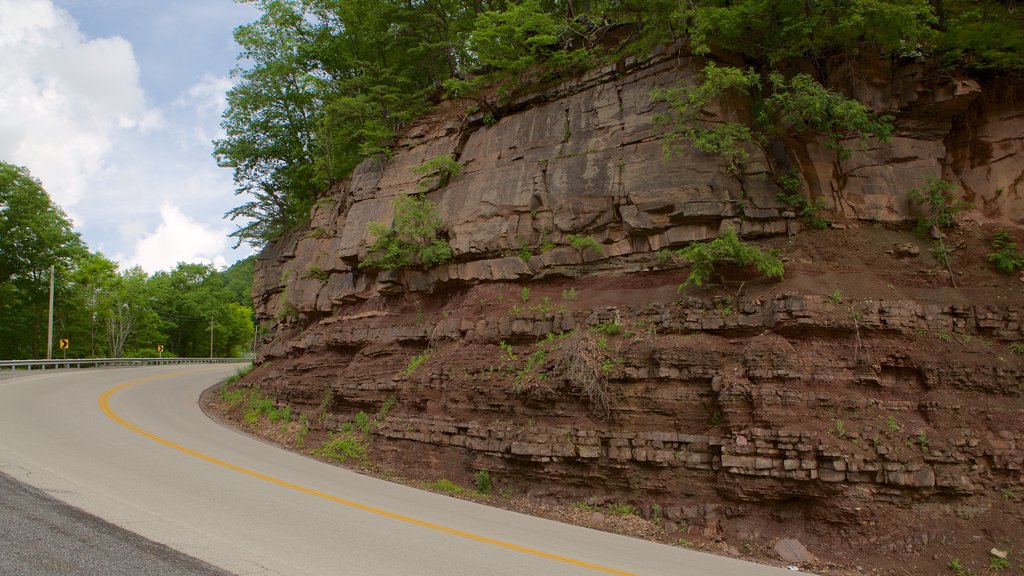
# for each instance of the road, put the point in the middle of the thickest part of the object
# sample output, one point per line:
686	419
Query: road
131	446
42	535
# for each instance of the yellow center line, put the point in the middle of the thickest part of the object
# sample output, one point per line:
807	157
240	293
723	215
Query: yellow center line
104	402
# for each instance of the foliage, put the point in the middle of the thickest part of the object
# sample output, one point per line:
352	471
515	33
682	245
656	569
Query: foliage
483	481
436	172
514	38
704	257
323	85
789	107
582	243
1005	255
414	238
988	40
801	105
687	106
102	310
447	486
343	447
415	362
772	32
792	196
939	204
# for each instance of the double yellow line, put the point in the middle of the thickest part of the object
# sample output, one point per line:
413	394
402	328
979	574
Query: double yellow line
104	402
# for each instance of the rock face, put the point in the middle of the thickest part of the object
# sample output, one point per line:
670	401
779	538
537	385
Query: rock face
712	407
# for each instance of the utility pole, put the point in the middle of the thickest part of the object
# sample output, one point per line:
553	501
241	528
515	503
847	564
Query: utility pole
49	323
211	338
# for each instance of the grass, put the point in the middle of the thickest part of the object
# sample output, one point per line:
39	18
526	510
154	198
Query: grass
447	486
415	362
343	448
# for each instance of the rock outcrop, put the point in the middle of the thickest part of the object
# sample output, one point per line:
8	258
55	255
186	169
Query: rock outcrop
708	408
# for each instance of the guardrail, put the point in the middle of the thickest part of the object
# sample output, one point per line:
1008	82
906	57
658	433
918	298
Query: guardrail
96	362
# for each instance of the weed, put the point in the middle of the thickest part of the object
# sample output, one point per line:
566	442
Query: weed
362	422
997	563
1005	255
944	336
839	428
608	364
448	486
525	253
343	447
318	273
524	294
239	373
483	481
615	509
569	294
506	351
415	362
585	506
836	297
611	328
1007	493
920	331
716	418
1017	348
922	440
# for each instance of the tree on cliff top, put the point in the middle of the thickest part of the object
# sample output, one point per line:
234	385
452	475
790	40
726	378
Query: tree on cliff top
324	84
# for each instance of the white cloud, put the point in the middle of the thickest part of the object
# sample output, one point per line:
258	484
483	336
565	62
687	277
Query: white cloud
178	238
205	101
64	97
137	179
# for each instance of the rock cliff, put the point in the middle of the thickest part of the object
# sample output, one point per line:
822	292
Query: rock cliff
861	393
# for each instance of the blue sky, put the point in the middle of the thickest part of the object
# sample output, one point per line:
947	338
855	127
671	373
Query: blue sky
112	104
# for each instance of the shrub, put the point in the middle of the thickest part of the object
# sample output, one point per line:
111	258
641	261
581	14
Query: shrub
937	200
1005	257
343	447
413	239
705	256
436	172
582	243
483	481
794	198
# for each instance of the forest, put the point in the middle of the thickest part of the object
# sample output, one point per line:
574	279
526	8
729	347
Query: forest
321	85
101	310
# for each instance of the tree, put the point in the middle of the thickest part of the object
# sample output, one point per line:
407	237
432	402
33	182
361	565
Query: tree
34	235
777	31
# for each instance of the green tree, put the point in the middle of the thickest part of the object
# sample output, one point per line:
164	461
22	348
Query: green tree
34	235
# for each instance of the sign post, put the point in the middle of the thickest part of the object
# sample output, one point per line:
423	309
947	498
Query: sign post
160	350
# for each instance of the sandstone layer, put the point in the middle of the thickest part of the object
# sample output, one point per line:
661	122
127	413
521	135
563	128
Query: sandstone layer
862	390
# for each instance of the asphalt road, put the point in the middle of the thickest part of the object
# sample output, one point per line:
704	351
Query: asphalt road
42	535
131	446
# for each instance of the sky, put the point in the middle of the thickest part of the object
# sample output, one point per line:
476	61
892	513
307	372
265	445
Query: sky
112	105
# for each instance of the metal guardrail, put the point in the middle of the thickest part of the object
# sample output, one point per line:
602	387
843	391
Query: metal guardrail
96	362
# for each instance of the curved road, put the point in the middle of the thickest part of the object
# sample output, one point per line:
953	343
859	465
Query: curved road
131	446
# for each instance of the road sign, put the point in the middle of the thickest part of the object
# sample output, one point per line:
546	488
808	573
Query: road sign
159	347
65	343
